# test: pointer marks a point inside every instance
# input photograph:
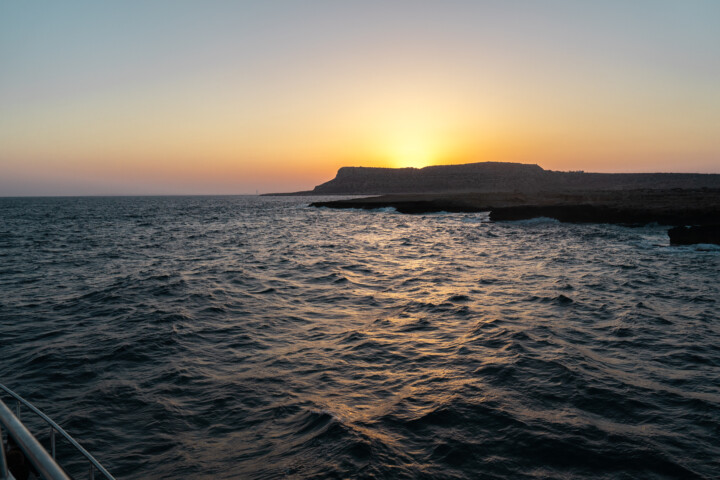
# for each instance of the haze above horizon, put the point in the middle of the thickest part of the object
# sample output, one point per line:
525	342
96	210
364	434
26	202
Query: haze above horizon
181	97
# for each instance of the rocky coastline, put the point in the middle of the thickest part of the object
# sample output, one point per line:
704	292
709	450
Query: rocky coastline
695	234
515	191
698	208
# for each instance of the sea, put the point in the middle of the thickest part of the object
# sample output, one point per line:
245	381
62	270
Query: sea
249	337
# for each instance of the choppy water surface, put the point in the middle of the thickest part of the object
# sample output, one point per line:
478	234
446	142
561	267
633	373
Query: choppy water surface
246	337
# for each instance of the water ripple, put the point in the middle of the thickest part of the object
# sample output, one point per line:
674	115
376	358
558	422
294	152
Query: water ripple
245	337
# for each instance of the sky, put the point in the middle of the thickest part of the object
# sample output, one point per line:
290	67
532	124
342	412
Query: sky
234	97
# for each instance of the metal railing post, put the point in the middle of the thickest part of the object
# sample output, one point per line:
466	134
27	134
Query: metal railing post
4	474
29	445
52	441
54	428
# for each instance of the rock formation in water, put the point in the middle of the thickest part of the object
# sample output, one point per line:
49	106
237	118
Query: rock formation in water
628	214
694	235
629	207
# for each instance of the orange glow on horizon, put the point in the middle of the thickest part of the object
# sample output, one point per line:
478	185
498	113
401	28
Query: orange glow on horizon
285	101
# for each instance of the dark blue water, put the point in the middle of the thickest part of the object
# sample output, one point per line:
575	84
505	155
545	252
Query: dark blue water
248	337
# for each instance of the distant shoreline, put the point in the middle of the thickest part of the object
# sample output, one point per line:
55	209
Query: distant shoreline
496	177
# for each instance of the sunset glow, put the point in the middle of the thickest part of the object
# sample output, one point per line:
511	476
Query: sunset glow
413	154
415	147
246	97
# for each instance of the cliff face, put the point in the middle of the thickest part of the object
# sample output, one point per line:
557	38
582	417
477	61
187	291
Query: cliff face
490	177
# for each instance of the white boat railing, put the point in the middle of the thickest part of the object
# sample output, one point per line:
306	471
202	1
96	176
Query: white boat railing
43	461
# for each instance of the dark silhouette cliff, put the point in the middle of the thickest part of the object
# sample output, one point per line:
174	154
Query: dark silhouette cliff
498	177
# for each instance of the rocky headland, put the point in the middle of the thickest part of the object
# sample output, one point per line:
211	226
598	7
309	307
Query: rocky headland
513	191
495	177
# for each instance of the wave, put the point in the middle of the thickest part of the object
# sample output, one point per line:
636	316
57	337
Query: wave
244	337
